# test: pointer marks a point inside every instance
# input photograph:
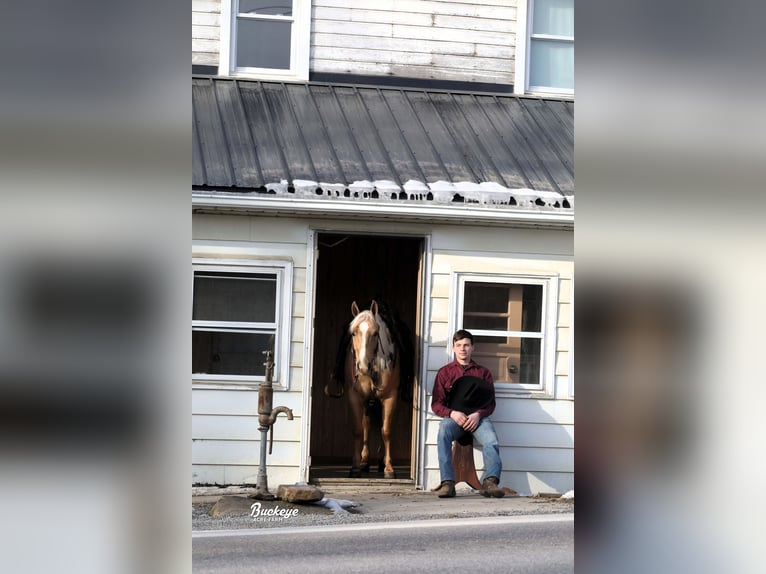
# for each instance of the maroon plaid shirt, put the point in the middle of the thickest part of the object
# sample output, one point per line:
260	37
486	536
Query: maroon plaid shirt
447	376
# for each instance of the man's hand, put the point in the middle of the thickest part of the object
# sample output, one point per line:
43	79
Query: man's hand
469	423
472	422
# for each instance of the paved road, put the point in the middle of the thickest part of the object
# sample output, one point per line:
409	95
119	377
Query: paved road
543	543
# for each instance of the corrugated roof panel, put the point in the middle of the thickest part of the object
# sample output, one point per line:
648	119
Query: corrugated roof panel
198	165
411	157
314	132
495	126
244	161
288	132
523	138
376	161
416	136
268	148
440	137
483	141
213	145
341	138
251	135
556	138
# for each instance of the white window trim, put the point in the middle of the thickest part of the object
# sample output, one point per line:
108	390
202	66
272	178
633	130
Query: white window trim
550	284
283	321
299	49
521	65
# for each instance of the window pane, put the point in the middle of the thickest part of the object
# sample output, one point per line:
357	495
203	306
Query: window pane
502	307
215	353
511	360
263	44
240	297
553	17
270	7
532	308
551	64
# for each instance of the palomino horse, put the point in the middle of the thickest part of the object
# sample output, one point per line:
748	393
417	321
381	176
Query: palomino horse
372	370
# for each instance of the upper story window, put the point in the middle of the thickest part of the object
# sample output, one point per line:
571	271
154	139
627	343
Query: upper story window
267	39
545	49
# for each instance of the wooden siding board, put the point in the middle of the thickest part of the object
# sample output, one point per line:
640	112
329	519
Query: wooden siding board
213	145
246	452
205	33
522	459
247	171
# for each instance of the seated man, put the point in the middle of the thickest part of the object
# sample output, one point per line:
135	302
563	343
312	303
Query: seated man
456	421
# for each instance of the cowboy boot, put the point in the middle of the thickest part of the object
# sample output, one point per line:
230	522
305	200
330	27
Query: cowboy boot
490	488
446	489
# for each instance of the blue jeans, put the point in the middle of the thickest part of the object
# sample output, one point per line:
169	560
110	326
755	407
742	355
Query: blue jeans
485	434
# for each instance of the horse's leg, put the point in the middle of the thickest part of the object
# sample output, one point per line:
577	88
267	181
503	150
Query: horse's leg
365	466
358	430
389	406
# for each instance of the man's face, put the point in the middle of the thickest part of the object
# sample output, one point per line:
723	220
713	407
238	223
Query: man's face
463	350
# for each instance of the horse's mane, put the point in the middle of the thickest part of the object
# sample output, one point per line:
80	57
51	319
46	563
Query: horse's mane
400	340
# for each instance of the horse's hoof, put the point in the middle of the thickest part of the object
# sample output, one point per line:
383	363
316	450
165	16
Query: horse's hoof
391	474
355	473
365	468
381	466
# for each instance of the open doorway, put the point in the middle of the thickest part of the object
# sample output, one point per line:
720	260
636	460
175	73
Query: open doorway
359	268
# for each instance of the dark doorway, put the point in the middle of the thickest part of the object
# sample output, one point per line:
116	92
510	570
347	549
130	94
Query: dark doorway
358	268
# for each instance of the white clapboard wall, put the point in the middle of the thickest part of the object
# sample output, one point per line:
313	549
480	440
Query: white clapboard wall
465	40
536	434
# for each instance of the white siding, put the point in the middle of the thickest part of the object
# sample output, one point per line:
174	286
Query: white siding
465	40
206	31
536	434
225	436
469	40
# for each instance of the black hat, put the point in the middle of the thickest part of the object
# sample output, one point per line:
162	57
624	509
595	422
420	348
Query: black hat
469	394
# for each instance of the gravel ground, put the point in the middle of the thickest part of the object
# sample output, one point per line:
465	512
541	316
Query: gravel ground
374	507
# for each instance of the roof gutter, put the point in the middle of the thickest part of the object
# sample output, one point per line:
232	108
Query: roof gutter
336	208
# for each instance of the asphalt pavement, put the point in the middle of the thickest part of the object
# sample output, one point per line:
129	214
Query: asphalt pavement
234	508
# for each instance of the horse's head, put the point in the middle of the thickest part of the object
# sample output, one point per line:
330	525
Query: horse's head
364	338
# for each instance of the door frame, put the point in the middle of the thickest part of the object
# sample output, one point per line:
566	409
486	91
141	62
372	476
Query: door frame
420	343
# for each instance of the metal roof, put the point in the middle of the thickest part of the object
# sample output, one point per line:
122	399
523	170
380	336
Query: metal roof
316	140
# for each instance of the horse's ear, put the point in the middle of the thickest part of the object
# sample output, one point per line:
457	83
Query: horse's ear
354	308
374	307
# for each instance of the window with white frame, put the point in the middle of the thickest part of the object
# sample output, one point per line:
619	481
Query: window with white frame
512	327
267	39
545	58
239	312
